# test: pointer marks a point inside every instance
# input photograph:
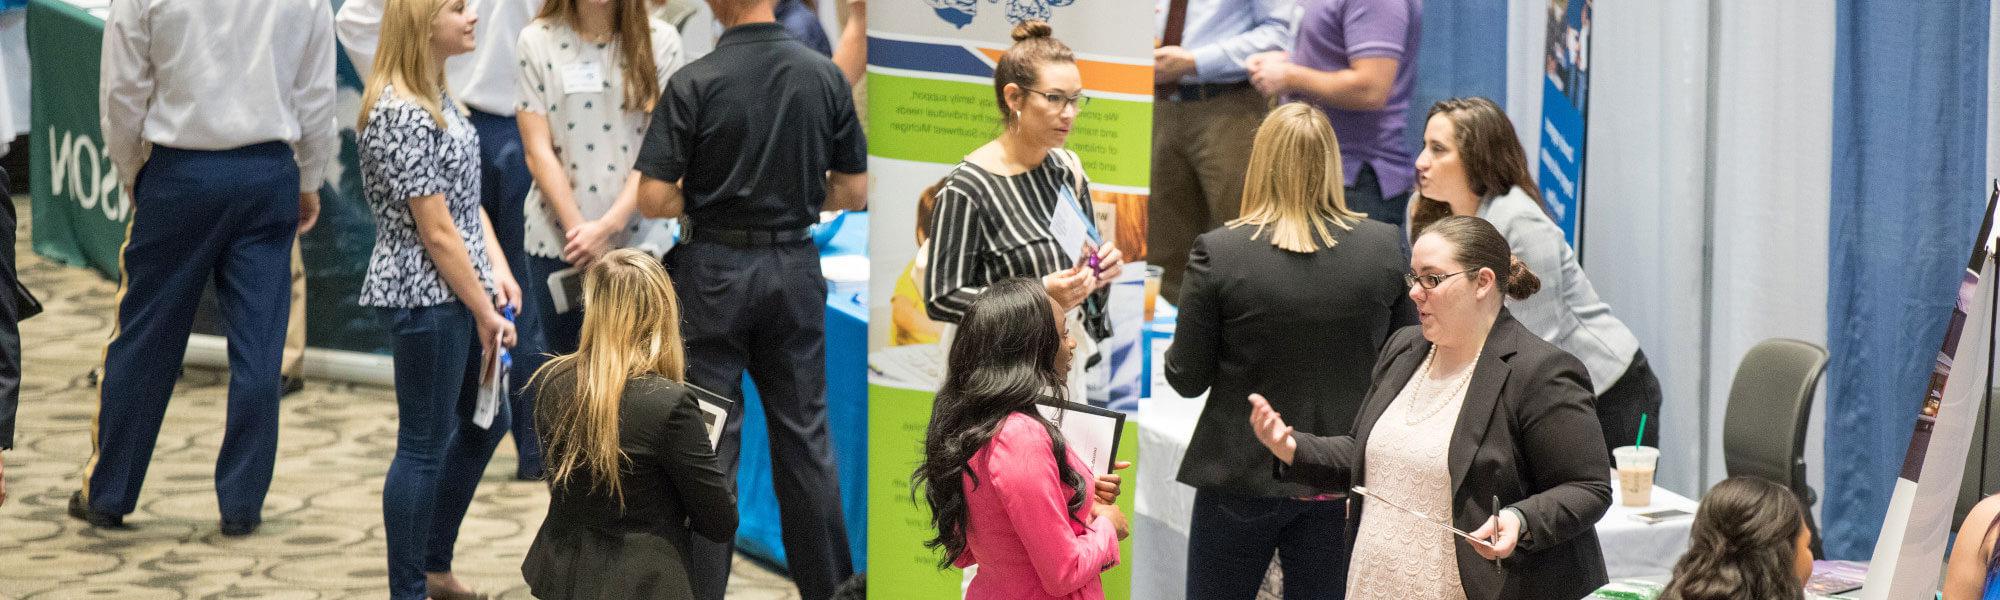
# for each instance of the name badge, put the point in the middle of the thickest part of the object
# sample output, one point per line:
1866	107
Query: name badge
582	78
1067	224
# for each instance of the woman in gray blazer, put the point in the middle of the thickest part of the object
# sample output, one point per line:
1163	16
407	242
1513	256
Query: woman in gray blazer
1472	164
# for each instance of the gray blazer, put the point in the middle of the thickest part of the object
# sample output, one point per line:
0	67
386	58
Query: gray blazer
1567	312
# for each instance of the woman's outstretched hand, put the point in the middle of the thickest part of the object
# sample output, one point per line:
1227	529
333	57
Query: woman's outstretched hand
1271	429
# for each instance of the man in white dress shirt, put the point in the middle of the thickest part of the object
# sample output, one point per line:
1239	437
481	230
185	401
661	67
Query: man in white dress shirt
485	80
219	117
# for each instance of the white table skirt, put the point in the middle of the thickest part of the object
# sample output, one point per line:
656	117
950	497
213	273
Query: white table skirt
1631	548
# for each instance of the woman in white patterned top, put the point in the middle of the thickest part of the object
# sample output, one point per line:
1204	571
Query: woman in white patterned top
1475	422
590	72
442	285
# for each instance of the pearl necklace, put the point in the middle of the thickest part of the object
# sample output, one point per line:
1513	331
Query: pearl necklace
1432	401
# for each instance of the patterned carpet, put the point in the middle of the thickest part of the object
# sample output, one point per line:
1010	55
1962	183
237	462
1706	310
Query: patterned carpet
322	532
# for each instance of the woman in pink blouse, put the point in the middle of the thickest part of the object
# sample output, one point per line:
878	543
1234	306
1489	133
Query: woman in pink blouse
1005	492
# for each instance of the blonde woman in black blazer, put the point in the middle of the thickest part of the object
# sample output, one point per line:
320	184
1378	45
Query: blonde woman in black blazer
1516	432
1292	300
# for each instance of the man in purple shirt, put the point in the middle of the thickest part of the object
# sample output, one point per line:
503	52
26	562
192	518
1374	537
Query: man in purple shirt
1356	60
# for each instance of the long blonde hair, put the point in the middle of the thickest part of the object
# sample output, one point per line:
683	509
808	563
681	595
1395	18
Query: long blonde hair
633	33
633	333
1293	185
406	60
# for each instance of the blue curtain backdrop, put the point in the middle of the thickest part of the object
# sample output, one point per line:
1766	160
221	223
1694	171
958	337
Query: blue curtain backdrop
1909	155
1463	53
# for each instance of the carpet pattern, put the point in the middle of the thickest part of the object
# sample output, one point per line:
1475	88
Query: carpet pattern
322	532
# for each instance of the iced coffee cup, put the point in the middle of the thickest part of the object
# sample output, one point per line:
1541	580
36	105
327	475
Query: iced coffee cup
1635	473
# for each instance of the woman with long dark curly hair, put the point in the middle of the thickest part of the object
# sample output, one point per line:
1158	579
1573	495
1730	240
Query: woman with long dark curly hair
1004	491
1749	543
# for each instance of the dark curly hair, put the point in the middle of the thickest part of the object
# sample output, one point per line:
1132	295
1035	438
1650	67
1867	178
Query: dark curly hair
1002	361
1743	544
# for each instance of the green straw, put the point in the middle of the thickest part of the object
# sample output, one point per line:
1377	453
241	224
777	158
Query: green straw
1642	430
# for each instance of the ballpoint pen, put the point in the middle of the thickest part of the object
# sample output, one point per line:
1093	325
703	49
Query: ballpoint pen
1496	528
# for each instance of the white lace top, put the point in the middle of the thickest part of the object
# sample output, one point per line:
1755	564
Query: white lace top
1396	555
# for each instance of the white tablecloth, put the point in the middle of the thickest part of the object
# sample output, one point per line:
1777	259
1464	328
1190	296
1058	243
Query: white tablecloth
1631	548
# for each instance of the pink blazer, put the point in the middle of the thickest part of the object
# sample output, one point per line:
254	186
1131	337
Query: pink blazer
1019	531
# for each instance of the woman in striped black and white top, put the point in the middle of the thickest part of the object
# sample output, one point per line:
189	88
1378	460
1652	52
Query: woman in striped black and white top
1001	212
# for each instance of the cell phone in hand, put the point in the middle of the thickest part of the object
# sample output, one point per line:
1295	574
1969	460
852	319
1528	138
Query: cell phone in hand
1658	516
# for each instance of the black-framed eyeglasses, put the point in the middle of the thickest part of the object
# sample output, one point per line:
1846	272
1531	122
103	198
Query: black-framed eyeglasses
1079	101
1430	282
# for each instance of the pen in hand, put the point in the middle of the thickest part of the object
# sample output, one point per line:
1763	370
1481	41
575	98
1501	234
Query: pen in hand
1496	530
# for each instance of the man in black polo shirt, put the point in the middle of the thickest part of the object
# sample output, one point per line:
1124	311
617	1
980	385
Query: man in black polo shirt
749	143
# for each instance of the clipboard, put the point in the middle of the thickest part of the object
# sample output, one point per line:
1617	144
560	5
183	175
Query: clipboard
714	412
1091	432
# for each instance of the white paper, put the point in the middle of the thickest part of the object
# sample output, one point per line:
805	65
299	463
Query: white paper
492	386
1363	491
582	78
564	290
1091	432
1067	225
714	412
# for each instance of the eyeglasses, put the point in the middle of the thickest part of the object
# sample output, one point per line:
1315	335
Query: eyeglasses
1430	282
1079	101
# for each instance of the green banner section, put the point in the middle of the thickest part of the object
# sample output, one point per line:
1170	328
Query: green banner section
898	523
80	210
939	121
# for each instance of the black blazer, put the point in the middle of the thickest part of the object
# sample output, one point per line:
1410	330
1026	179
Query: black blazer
1301	329
1527	433
589	548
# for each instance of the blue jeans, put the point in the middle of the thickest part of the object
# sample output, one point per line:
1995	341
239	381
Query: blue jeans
440	454
553	334
504	182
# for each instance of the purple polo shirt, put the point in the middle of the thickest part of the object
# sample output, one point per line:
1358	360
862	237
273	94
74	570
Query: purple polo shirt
1334	32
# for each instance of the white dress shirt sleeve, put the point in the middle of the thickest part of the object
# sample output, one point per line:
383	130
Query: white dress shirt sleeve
359	27
667	53
126	74
1271	28
319	136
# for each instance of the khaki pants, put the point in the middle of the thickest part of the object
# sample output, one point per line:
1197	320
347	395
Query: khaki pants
295	329
1200	150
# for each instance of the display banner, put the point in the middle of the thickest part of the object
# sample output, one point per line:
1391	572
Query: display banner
930	102
1565	104
1918	526
80	210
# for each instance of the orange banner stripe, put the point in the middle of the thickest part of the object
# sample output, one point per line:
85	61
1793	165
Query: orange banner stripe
1105	76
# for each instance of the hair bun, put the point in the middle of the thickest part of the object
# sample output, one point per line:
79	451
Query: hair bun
1033	29
1521	282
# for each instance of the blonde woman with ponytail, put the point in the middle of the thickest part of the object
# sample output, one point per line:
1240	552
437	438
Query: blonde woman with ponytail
441	283
1292	300
630	469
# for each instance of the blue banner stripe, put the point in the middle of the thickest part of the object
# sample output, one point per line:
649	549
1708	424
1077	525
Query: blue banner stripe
919	56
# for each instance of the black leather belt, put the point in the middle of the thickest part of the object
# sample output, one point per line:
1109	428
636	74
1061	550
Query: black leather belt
748	237
1198	91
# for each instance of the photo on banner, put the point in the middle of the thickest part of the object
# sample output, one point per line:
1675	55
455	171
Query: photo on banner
931	102
1565	106
1917	528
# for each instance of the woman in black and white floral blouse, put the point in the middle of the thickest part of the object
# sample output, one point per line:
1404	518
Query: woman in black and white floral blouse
441	283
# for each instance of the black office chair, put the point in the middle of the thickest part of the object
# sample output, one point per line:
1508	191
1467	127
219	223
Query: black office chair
1770	402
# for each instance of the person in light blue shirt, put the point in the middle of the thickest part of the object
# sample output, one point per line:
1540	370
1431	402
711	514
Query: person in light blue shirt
1204	114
